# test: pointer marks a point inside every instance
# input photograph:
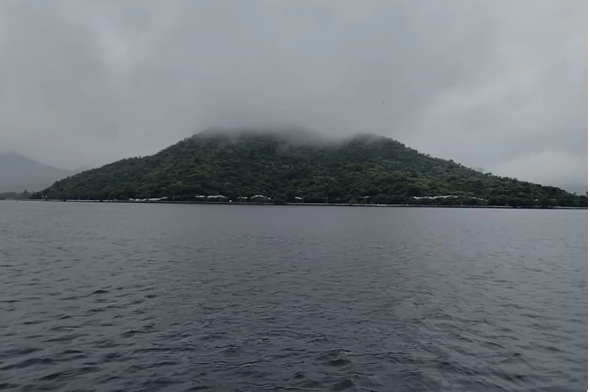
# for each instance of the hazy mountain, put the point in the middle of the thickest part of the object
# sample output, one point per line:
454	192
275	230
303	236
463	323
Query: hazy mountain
286	165
18	172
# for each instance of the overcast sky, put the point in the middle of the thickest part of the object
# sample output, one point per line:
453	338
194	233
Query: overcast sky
500	85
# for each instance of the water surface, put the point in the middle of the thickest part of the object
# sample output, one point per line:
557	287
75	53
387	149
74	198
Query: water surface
113	297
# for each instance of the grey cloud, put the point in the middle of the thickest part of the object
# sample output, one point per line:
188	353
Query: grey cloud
500	85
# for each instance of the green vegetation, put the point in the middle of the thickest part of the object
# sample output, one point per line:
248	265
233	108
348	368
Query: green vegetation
367	168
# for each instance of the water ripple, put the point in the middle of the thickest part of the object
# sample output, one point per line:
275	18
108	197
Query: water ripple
207	298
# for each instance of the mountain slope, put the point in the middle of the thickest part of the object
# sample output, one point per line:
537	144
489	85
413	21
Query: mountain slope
285	166
18	173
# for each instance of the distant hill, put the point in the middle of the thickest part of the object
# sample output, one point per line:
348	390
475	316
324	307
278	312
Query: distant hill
298	163
18	172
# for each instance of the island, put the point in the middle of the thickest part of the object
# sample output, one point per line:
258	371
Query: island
300	167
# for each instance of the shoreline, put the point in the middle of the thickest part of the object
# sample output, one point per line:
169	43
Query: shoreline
302	204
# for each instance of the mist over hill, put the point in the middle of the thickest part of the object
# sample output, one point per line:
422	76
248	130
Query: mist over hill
298	163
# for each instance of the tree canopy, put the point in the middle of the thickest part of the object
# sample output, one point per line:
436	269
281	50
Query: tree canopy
364	167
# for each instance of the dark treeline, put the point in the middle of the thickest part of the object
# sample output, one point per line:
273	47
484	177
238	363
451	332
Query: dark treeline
15	195
363	169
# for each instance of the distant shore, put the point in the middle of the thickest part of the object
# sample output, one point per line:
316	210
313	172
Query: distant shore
300	204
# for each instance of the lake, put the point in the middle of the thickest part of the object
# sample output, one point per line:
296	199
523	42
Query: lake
131	297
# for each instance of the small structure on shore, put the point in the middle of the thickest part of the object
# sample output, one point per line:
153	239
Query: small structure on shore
260	198
217	198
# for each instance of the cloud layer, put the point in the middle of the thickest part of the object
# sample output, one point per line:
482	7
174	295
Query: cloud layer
500	85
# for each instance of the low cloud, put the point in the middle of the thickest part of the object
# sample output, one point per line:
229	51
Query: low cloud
488	84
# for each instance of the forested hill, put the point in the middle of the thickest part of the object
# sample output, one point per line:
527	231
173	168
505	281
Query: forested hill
283	166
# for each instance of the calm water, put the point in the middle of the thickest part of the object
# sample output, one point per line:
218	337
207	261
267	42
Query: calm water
110	297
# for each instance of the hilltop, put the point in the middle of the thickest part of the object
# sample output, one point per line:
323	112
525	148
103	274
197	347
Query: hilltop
287	165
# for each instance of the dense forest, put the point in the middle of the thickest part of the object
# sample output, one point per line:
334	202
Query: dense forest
365	168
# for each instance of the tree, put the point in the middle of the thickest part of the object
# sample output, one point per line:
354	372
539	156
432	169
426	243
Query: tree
280	198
